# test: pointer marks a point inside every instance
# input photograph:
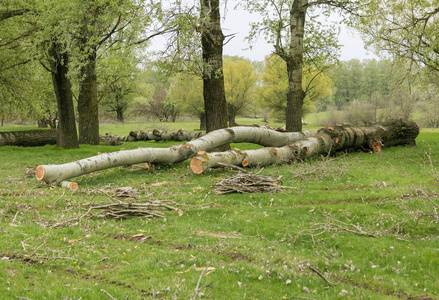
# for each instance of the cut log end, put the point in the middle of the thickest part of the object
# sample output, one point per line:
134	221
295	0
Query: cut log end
39	173
245	162
68	185
197	166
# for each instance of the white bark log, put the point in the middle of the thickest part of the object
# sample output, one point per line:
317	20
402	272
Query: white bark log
174	154
325	141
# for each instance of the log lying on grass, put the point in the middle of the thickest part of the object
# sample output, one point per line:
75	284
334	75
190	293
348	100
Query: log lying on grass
28	138
262	136
325	141
166	135
153	135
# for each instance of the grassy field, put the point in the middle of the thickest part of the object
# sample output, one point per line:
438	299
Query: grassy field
354	226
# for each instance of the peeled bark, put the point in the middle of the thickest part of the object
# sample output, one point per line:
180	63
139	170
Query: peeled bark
325	141
174	154
29	138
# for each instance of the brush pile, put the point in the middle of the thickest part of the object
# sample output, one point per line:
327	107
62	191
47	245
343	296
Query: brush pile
246	183
123	210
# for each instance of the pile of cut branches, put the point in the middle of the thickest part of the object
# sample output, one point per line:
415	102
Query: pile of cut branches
123	210
249	182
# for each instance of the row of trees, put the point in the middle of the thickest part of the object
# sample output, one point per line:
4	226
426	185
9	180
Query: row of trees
79	41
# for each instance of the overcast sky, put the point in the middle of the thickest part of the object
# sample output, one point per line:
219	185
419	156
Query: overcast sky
237	21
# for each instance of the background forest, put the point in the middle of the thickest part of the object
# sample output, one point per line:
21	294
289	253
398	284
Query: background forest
112	70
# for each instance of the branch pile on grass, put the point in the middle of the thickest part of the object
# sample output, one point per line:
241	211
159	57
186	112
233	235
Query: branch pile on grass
246	183
123	210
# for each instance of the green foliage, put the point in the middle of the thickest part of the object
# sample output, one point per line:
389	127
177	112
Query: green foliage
273	91
355	79
186	93
320	40
405	29
261	245
118	72
239	83
80	29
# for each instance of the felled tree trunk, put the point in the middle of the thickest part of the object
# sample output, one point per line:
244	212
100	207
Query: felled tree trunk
166	135
174	154
29	138
326	140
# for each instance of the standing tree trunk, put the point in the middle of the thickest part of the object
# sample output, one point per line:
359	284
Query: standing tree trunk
67	137
203	122
294	60
212	39
231	113
119	114
88	102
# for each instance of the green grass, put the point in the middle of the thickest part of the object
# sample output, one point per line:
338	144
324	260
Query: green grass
261	245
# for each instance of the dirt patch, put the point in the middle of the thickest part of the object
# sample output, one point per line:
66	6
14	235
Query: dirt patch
221	235
387	292
21	257
140	238
236	256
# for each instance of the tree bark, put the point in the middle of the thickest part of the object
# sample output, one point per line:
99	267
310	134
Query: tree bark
294	62
327	140
67	136
88	119
203	122
212	40
174	154
231	113
119	114
29	138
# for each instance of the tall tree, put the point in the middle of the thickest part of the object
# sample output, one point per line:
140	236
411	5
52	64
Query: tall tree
67	135
284	23
118	72
40	35
97	22
212	40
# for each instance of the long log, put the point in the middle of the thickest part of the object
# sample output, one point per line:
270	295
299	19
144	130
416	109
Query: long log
28	138
258	135
326	140
166	135
152	135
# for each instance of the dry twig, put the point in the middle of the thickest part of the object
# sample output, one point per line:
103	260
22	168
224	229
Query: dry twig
108	294
198	289
324	278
